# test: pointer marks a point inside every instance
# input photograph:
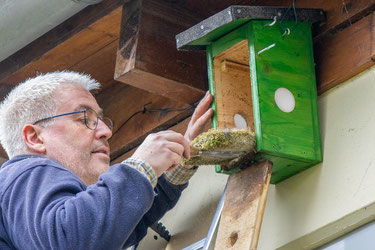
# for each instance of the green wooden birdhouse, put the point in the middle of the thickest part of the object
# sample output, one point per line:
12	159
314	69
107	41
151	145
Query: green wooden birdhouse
261	73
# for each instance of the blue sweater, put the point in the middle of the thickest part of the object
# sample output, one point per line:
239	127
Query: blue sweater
43	205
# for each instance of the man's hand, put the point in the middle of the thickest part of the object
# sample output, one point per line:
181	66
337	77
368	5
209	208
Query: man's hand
163	150
199	119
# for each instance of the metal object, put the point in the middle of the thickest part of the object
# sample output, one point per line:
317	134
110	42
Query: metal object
215	221
203	33
205	243
160	229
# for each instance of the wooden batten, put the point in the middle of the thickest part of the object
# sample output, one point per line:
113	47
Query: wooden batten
345	54
243	209
147	57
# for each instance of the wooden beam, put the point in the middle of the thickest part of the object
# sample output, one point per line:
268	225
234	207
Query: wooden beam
67	30
121	102
345	54
339	13
147	57
243	209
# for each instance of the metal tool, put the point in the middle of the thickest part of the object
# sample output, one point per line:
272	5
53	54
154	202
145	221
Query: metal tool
205	243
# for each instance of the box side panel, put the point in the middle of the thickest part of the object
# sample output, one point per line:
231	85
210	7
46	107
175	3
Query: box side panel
278	61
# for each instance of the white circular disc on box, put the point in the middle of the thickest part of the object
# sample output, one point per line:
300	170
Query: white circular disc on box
285	100
239	122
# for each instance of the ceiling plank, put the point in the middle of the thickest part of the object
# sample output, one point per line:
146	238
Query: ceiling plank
345	54
147	57
122	102
100	65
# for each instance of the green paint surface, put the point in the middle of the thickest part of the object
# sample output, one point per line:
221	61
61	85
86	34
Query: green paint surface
290	140
289	64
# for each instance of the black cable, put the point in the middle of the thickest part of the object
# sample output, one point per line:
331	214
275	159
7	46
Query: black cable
145	110
286	13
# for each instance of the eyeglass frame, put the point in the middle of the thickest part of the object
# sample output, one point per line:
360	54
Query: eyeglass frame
81	111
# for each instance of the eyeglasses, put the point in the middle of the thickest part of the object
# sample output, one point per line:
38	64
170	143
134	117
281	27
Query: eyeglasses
91	118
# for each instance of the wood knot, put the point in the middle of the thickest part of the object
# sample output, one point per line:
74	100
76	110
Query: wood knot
232	239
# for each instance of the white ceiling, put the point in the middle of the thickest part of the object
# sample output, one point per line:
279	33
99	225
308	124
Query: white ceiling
23	21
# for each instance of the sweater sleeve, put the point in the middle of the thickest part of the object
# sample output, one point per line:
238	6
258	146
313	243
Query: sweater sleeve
50	208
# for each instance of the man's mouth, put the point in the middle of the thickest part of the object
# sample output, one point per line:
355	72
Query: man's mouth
101	150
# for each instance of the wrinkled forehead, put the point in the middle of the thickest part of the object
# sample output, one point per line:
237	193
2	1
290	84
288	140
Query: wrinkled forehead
71	97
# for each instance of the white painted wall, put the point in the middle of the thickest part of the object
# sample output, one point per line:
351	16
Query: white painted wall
23	21
315	206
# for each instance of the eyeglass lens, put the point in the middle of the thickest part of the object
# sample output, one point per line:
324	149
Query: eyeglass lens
91	118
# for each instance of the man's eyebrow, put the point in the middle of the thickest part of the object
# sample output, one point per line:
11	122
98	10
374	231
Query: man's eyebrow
83	106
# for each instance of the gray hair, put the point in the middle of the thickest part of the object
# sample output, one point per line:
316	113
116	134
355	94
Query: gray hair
33	100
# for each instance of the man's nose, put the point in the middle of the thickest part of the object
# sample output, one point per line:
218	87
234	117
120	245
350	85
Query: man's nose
103	131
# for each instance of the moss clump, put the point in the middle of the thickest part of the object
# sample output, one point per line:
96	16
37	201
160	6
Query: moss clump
232	140
215	140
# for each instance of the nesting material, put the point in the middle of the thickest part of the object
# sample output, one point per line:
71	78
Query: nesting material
221	147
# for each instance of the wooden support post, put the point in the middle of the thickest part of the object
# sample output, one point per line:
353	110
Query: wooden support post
243	208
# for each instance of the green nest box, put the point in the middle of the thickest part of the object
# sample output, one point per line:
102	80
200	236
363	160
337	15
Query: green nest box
261	73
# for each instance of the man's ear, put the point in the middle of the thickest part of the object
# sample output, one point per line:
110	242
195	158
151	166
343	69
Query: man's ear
33	139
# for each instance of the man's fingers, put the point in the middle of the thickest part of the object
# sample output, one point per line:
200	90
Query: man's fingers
175	137
203	105
200	124
175	148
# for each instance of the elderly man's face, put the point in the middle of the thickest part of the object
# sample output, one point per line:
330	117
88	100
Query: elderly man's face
68	140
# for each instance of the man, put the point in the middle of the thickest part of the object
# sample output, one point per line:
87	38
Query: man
57	191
